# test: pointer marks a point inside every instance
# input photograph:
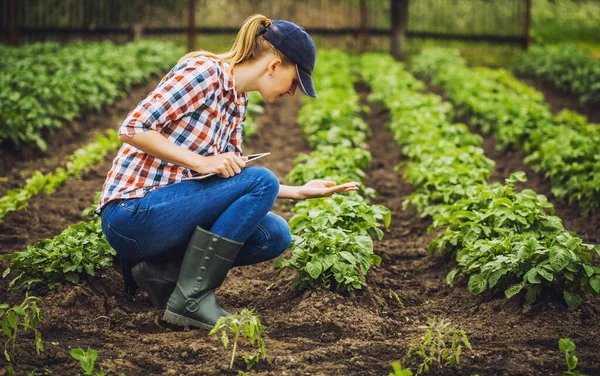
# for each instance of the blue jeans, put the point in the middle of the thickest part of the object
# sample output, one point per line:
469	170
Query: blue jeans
160	224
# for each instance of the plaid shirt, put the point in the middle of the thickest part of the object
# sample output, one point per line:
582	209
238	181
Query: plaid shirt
194	106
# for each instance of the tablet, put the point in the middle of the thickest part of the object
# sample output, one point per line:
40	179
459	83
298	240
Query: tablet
251	157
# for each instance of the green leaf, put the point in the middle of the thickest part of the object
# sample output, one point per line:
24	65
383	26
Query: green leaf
595	283
565	345
588	270
559	258
450	276
348	257
513	290
314	269
478	283
573	300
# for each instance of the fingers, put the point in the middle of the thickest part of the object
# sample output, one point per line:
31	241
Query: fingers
346	187
231	164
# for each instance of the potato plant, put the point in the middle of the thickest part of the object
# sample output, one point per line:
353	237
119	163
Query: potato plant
569	68
441	345
567	347
245	326
24	316
77	163
501	239
44	85
564	147
333	246
80	249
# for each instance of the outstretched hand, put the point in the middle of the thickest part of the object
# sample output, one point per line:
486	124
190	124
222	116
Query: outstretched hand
324	188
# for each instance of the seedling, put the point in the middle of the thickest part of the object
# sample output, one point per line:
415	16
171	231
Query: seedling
26	315
441	344
87	359
246	324
566	346
399	371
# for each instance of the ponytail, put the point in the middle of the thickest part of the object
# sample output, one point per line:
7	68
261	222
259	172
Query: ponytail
249	44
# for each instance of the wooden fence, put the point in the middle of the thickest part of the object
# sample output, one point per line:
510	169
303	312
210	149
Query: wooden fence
495	21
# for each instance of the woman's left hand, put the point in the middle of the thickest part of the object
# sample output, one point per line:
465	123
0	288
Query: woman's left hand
324	188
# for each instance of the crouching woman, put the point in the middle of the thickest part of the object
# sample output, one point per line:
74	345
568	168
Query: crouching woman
182	236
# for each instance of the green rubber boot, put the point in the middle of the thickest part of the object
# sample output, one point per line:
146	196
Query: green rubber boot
157	279
206	263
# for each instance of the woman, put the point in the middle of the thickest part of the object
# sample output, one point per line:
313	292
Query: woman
193	122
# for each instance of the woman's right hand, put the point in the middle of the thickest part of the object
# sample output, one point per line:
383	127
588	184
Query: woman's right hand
225	165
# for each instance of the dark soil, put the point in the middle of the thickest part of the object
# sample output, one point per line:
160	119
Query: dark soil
317	332
19	163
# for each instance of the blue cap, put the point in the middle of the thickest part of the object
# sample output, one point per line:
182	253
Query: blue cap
295	43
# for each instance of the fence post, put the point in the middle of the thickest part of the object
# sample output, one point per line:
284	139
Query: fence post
527	38
191	29
12	36
137	28
399	14
363	27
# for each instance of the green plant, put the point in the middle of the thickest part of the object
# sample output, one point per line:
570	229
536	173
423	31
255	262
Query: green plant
243	326
568	348
564	147
44	85
509	240
87	360
569	68
399	371
441	344
79	249
80	161
26	315
503	240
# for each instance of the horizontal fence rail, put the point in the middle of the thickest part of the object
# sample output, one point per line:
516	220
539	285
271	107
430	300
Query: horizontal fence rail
495	21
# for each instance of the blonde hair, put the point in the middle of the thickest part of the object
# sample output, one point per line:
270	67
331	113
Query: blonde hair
249	44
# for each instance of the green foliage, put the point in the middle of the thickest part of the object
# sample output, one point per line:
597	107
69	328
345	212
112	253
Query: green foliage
569	68
44	85
508	240
79	249
247	325
399	371
564	148
350	212
555	21
568	348
26	316
87	359
80	161
332	245
442	344
502	240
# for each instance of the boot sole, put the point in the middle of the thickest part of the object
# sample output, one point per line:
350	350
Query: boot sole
175	319
142	282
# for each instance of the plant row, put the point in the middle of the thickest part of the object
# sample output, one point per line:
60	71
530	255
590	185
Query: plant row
44	85
332	237
501	240
565	148
77	163
567	67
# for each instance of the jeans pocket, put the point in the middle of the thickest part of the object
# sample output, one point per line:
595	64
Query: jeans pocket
131	204
124	246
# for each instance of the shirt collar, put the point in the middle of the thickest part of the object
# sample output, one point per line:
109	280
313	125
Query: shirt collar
229	82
